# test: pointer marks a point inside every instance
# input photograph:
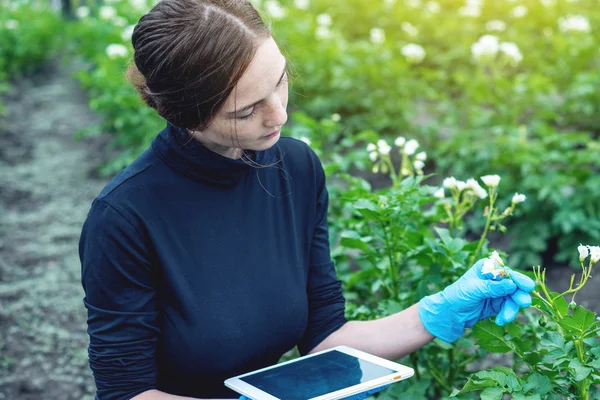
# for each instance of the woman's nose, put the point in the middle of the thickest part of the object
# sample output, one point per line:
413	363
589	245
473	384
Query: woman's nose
277	115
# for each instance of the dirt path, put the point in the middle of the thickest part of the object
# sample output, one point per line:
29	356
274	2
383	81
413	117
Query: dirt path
45	193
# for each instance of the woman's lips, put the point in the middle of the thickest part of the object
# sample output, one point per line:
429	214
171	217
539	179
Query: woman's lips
272	135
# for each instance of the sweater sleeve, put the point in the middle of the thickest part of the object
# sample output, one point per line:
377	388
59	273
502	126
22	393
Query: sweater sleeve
325	298
120	297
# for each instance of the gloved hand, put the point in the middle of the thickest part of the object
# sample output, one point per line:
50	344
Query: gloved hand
360	396
475	296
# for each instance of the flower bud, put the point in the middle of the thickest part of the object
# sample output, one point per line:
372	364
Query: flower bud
572	305
491	180
542	321
583	252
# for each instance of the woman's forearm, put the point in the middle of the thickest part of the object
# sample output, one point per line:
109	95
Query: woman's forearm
158	395
390	337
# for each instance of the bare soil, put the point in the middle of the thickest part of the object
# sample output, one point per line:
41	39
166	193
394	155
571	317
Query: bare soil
47	183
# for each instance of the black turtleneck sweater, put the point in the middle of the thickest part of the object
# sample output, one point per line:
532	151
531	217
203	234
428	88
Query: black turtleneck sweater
197	268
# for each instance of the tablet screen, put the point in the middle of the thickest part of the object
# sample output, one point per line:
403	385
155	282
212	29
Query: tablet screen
316	376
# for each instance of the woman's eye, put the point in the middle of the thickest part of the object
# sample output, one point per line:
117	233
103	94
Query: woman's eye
246	116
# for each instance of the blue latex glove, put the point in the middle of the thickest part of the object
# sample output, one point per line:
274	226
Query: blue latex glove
360	396
474	297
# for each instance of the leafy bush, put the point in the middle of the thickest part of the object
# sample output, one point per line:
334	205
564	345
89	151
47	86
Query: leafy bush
559	359
29	33
102	38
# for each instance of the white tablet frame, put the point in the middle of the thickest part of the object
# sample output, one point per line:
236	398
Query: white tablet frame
401	372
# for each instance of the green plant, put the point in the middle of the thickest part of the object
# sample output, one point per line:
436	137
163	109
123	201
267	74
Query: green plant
558	358
403	242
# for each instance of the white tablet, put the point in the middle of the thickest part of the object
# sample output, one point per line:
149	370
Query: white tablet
327	375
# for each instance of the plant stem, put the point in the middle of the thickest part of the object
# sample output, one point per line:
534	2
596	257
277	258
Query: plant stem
391	269
452	371
584	385
415	363
440	380
485	230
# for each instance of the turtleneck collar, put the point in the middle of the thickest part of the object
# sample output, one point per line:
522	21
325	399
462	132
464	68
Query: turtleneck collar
185	154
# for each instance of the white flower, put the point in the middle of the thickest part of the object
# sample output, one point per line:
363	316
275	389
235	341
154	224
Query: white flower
400	140
491	180
439	194
324	19
583	252
418	165
512	51
594	254
519	11
107	12
410	147
495	257
371	147
422	156
82	12
548	3
414	53
471	9
449	183
460	185
377	35
116	50
120	21
336	117
139	5
323	32
373	156
432	7
518	198
127	33
410	29
487	45
489	267
305	140
413	3
574	23
496	25
274	9
302	4
476	187
11	24
383	147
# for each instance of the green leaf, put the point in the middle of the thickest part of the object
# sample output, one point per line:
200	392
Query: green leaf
367	208
522	396
581	320
491	336
513	330
492	393
594	364
352	240
537	383
475	384
561	304
580	372
553	339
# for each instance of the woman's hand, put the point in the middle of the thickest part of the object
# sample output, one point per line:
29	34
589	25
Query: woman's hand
473	297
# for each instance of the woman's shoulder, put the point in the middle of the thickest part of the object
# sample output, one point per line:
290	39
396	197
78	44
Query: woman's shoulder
130	179
298	156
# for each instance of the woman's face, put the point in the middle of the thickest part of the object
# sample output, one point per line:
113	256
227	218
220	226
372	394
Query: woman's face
255	111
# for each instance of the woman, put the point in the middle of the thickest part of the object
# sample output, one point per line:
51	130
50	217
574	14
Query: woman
208	256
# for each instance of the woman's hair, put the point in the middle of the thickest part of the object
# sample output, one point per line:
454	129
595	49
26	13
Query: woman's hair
190	54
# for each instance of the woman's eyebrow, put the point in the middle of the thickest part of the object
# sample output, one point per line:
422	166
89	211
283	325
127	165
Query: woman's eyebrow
241	110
